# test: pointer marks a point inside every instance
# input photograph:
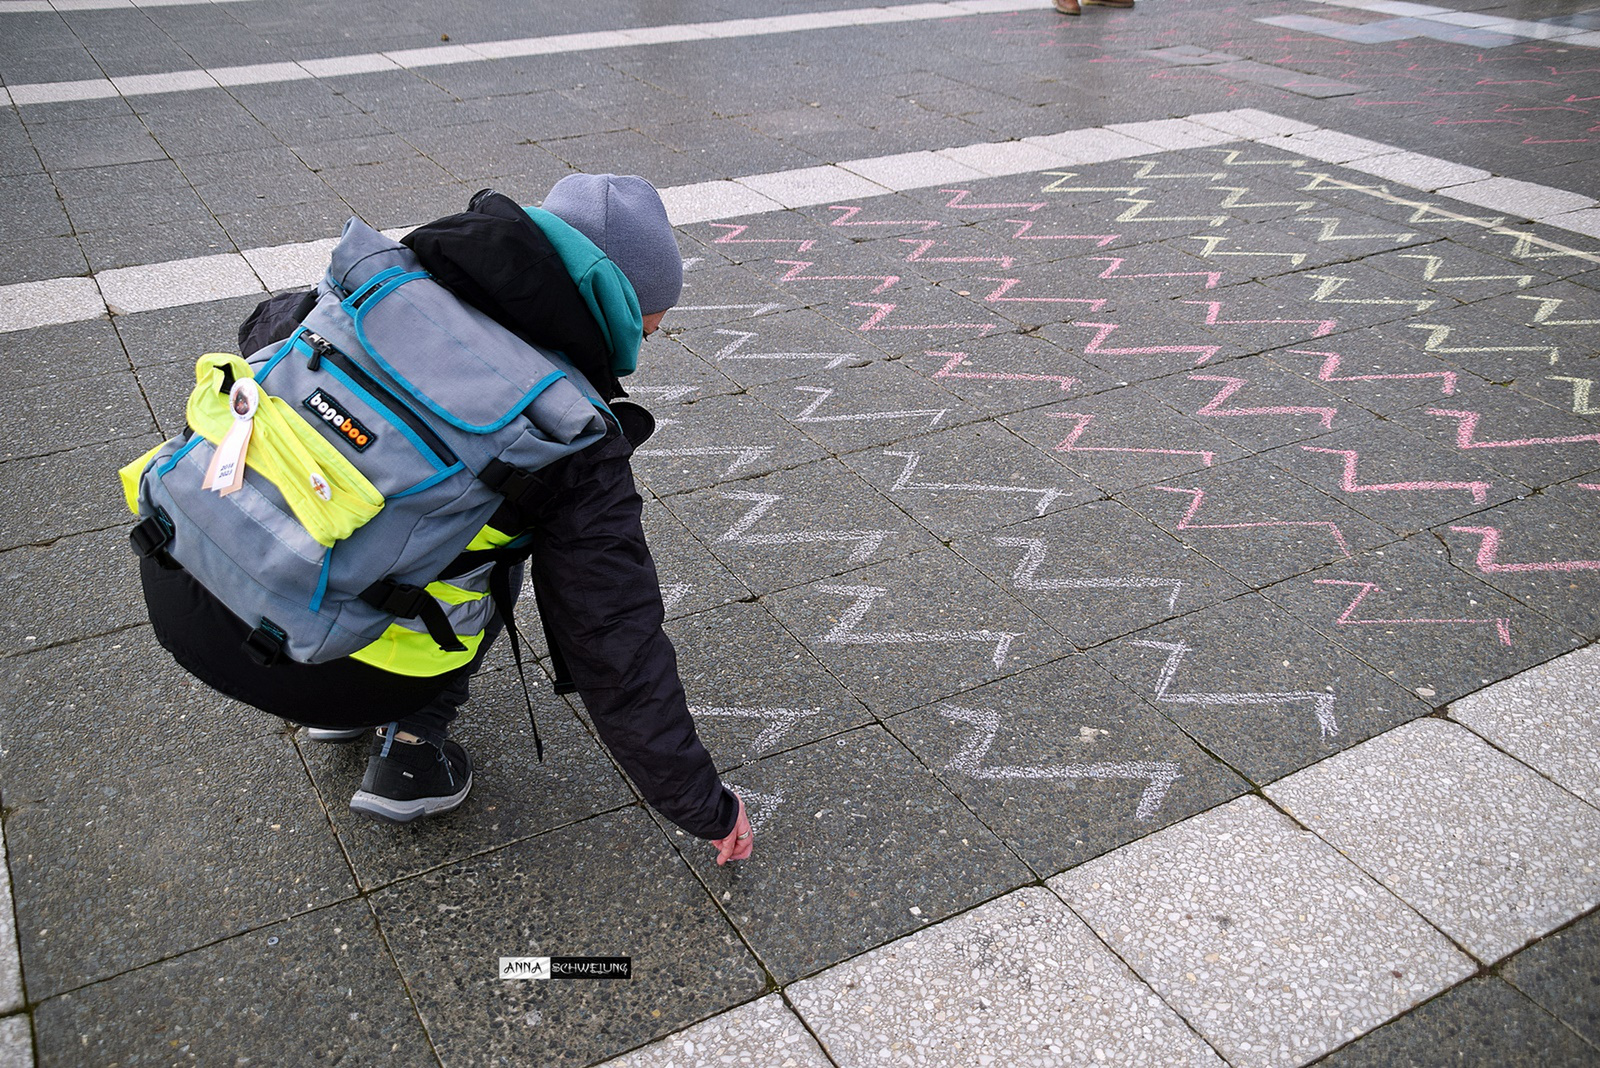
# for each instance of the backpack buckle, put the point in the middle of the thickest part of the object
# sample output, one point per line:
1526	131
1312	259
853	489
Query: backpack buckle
394	599
512	483
151	534
264	645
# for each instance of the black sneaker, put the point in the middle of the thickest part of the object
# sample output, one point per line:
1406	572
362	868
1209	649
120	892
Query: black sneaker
407	780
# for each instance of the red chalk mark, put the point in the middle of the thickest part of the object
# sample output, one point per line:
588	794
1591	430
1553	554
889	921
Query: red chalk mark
1105	330
797	269
1006	284
1199	496
851	211
1330	366
1489	552
919	255
1234	385
883	311
1211	277
1024	225
1479	490
959	359
1502	625
1467	426
1214	308
1071	442
959	201
735	229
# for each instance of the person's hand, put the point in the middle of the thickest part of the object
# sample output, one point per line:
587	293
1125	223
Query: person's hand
739	842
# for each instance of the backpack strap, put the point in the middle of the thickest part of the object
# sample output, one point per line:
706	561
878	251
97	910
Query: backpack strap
414	602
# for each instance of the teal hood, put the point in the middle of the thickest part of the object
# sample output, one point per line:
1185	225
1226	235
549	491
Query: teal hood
603	286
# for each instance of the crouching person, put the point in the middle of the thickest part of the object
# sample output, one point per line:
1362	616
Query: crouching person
401	412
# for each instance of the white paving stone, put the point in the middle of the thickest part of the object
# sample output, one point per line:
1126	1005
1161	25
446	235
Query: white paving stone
259	73
10	963
1095	145
713	200
1547	717
16	1043
1000	158
338	65
1330	146
1272	945
811	185
1588	40
1492	853
26	305
176	82
1418	171
911	170
1525	200
1251	123
178	282
1586	221
1173	133
762	1034
433	57
288	266
1018	981
647	35
61	92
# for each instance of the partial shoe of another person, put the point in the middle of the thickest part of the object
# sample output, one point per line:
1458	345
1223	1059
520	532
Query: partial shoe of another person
1068	7
322	734
408	778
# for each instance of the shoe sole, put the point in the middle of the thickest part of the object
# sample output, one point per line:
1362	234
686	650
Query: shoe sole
388	810
317	734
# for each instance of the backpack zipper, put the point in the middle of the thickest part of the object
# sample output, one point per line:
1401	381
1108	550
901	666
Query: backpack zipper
323	349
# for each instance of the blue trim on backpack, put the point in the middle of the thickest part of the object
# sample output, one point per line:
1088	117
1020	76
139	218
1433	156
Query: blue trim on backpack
379	286
435	461
172	461
277	357
322	581
428	483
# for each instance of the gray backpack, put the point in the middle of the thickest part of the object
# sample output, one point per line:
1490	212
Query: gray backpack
410	414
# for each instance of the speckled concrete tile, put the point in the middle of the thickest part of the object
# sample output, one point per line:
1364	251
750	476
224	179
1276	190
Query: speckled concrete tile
1064	764
1271	945
716	440
321	986
1098	571
856	843
1489	851
905	632
793	527
692	580
761	1034
1548	717
738	666
860	407
785	344
571	892
1019	980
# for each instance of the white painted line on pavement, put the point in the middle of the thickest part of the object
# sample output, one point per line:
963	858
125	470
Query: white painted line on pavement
175	283
438	55
1510	27
18	7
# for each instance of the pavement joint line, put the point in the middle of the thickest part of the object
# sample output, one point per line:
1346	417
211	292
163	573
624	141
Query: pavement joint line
437	55
202	279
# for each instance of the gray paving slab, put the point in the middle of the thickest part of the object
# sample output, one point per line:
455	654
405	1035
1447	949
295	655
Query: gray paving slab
1064	764
50	418
448	930
1271	945
737	663
781	345
970	479
851	408
1258	405
1018	980
320	985
1557	972
1257	521
1482	1021
718	439
1098	571
1544	717
1004	373
131	823
1123	438
1258	689
76	587
44	509
792	527
860	844
947	627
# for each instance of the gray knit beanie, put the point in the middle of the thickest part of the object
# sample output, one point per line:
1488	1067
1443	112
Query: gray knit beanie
624	216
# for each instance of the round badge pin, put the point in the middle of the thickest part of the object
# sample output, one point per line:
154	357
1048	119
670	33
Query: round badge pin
244	398
320	486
